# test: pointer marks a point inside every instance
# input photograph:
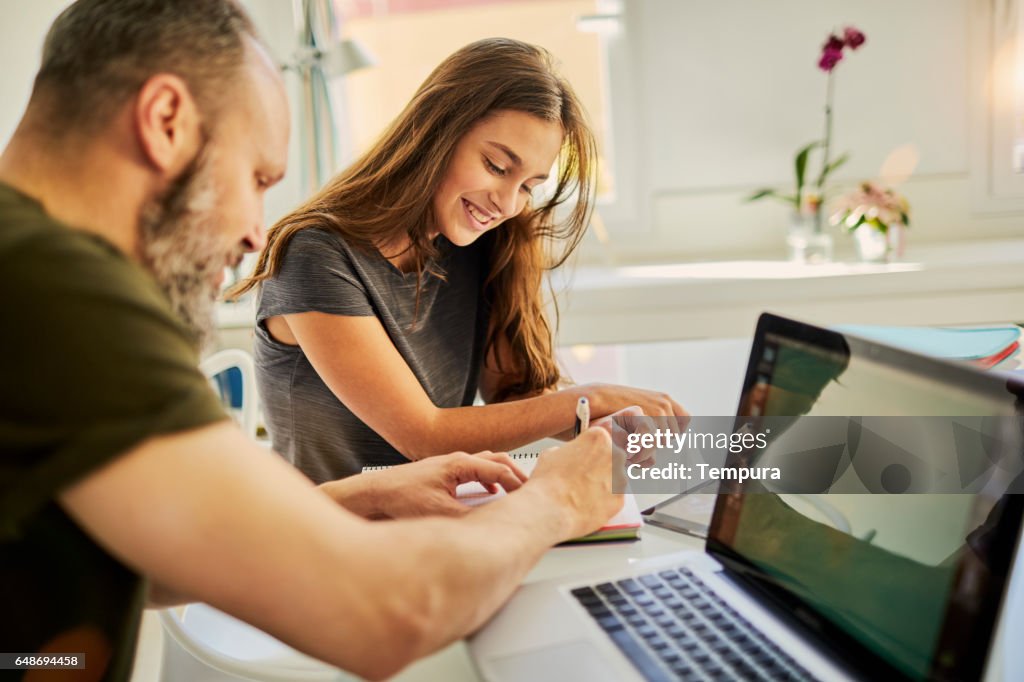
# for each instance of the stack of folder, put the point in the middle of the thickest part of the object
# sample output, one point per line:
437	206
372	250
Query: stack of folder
984	347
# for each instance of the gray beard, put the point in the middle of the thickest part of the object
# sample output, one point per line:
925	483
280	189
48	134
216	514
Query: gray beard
179	245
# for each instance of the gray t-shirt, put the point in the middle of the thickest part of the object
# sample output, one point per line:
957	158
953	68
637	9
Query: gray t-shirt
442	343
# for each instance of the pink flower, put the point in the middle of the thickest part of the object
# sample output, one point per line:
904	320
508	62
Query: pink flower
853	37
829	58
878	207
834	42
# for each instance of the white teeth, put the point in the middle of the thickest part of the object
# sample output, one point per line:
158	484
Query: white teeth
475	213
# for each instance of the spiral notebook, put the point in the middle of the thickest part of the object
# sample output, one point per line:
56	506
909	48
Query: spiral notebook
623	526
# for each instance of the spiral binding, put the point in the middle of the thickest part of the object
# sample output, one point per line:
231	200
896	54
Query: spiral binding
518	456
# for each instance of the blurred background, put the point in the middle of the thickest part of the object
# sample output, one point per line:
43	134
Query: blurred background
696	106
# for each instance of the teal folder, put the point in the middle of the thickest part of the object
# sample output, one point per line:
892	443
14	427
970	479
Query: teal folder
960	344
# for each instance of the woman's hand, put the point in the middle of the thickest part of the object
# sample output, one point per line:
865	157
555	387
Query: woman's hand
606	399
425	487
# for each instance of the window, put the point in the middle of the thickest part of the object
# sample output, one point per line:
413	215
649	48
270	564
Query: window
998	107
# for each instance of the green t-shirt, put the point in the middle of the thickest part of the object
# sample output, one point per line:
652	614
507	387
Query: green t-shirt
92	362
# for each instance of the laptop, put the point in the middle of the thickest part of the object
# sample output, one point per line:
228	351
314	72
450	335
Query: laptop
910	587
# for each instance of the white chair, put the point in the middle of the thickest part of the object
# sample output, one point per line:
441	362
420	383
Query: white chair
247	415
202	644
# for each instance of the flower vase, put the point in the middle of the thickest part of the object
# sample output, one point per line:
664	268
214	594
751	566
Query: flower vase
807	242
875	246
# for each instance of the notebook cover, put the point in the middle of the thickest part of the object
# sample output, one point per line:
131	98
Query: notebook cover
623	526
993	360
940	342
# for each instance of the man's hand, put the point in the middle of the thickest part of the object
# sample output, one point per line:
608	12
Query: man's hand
425	487
579	474
622	423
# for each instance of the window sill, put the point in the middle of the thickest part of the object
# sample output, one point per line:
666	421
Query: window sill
936	284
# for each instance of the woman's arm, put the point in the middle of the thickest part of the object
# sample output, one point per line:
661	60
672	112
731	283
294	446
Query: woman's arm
497	372
359	363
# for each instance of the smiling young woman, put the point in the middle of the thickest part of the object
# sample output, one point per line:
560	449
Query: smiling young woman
414	278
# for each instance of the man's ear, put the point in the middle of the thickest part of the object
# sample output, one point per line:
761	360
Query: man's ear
167	123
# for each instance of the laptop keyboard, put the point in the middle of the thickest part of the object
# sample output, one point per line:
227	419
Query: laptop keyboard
674	627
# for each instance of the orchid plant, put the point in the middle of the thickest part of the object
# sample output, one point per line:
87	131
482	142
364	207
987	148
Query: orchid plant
872	205
831	54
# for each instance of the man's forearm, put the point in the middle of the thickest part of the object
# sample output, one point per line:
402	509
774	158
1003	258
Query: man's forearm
476	562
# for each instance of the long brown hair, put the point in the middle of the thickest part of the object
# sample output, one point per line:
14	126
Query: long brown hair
386	196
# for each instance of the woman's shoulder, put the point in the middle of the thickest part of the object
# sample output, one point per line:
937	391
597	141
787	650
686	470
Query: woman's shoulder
317	237
307	250
321	244
316	271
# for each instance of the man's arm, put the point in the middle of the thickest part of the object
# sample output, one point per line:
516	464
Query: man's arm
209	514
426	487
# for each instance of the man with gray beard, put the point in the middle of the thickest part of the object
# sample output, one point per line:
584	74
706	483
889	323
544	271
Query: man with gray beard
135	176
175	243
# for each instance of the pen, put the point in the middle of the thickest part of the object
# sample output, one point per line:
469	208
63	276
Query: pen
582	417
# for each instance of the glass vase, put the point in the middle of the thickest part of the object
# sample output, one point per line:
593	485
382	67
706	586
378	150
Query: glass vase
807	242
875	246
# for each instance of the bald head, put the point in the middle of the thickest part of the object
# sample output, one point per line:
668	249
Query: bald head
99	53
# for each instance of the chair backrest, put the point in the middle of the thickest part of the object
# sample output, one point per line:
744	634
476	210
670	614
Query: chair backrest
202	643
232	374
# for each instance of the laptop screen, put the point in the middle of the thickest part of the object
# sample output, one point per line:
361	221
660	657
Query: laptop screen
904	583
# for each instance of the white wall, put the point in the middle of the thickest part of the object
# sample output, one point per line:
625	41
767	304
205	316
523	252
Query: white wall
23	26
273	19
721	94
738	86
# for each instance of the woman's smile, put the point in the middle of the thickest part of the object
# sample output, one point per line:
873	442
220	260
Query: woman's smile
478	218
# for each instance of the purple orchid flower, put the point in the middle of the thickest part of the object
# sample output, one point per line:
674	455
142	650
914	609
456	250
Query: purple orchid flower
834	42
829	58
853	37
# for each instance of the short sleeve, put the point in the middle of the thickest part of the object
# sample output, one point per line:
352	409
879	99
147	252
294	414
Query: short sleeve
317	273
93	362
